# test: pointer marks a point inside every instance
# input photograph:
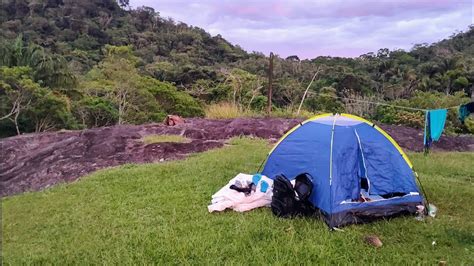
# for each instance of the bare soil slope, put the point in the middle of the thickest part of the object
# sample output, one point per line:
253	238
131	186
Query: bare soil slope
35	161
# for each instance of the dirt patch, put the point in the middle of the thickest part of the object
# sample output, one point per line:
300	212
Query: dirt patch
36	161
411	139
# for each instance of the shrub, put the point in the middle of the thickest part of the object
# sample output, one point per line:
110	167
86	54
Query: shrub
259	103
325	101
171	100
469	124
412	119
392	115
49	111
95	112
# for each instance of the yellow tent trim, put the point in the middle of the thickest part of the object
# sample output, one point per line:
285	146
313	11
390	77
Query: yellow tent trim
296	127
394	143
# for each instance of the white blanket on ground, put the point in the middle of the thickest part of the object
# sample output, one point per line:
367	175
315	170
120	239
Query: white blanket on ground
227	198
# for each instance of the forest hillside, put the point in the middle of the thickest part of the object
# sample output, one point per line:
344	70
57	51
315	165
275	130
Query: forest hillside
78	64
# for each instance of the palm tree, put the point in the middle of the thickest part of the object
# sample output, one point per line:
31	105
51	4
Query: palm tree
48	69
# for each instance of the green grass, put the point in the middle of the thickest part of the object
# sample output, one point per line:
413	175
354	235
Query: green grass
150	139
156	213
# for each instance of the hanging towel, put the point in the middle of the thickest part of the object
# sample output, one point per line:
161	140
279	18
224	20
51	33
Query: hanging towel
434	125
465	110
437	121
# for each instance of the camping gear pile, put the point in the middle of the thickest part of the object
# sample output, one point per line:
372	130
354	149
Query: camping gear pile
292	198
243	193
340	167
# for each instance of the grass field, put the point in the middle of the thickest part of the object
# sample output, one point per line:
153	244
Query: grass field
157	213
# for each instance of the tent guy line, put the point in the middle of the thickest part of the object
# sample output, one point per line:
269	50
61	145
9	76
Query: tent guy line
379	103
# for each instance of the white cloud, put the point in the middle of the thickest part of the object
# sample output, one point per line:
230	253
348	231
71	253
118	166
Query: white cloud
312	28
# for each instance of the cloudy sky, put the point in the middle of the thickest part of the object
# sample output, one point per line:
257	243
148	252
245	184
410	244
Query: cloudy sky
310	28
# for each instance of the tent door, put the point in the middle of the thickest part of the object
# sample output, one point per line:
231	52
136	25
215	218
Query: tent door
364	179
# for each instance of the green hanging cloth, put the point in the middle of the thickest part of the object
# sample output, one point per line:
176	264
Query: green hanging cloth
434	126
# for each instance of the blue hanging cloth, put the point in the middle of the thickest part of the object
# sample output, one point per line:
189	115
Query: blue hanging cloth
426	135
465	110
434	125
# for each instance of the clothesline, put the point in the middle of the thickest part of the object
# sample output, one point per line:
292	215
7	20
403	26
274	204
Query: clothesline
378	103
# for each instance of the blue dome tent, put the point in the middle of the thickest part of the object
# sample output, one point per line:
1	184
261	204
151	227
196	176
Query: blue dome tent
348	159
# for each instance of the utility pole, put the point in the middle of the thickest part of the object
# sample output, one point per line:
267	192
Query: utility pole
270	81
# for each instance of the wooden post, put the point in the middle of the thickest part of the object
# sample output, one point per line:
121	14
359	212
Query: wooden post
270	81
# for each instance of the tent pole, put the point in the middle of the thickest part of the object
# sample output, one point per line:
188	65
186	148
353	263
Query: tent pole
261	164
330	170
422	188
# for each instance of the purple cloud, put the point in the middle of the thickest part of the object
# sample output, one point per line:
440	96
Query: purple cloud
310	28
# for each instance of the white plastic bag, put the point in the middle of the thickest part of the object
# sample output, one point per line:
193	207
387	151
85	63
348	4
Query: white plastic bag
227	198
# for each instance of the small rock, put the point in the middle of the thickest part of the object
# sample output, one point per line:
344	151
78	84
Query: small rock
373	240
172	120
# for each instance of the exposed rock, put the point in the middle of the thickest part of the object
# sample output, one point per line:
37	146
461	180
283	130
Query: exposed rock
172	120
373	240
32	162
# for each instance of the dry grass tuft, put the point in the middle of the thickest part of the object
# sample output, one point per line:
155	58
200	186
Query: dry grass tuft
150	139
227	110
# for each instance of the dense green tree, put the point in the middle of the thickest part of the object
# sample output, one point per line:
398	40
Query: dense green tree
95	112
170	100
16	93
136	98
116	79
28	105
242	87
325	101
